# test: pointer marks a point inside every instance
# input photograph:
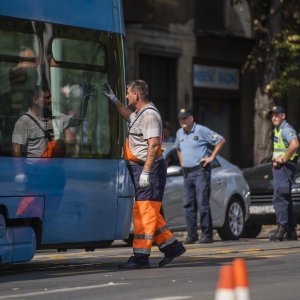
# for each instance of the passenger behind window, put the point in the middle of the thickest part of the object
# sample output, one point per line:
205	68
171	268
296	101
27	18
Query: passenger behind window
33	134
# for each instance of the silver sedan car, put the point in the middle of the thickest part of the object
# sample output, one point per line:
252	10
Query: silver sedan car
229	198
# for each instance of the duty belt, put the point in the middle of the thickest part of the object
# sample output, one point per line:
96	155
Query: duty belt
191	169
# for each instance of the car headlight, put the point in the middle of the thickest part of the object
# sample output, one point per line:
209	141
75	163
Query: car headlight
295	189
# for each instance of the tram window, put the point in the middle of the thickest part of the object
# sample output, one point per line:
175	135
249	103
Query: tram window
14	43
79	65
92	137
76	66
78	51
19	53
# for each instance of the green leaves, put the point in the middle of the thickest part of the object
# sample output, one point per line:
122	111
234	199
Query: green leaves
276	53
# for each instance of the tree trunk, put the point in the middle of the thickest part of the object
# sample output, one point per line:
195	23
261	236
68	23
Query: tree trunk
264	102
262	127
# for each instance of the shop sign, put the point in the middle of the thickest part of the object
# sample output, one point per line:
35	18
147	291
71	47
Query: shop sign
215	77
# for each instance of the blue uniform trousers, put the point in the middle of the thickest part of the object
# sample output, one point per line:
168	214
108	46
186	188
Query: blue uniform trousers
196	197
282	199
158	176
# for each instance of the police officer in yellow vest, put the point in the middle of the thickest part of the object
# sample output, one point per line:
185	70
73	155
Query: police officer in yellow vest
284	167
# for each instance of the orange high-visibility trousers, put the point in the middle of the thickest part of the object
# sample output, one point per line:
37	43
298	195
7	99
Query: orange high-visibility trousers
149	226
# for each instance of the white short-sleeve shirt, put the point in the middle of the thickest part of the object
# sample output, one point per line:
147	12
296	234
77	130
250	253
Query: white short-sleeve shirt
143	125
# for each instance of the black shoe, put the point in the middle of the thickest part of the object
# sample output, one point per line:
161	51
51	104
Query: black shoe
291	236
169	257
279	235
205	239
134	263
190	241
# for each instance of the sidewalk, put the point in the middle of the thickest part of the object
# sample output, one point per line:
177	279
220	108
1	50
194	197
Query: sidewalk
264	234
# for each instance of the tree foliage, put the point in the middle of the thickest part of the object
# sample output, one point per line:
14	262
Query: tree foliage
275	56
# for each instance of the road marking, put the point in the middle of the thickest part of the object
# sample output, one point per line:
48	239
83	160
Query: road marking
70	255
269	256
251	250
79	272
78	288
171	298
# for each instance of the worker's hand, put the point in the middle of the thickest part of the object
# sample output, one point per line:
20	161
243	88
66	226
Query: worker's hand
108	92
144	179
204	162
279	159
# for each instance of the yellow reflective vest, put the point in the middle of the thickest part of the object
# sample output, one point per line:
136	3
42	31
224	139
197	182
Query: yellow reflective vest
279	146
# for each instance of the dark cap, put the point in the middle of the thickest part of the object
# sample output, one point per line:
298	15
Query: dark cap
277	110
185	112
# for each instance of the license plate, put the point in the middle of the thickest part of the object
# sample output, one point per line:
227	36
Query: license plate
261	210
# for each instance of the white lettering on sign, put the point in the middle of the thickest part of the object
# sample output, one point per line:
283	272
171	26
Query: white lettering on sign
216	77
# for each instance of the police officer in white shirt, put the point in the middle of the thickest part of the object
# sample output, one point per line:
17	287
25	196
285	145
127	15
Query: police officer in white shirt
192	141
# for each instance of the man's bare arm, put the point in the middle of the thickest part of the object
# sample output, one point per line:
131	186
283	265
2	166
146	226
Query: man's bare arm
215	152
291	150
153	145
16	150
124	111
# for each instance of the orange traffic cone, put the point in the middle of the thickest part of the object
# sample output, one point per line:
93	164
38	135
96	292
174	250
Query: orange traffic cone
241	281
225	288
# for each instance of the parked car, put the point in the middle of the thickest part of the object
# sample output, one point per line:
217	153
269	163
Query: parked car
229	199
260	180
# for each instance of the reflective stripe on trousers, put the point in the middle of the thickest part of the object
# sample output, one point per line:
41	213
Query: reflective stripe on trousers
149	225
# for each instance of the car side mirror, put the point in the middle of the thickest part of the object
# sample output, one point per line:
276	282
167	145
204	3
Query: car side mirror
174	171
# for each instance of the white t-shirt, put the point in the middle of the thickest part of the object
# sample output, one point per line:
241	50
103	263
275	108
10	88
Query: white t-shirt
143	125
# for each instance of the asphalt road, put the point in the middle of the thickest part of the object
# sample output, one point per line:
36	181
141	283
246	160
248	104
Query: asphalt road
273	268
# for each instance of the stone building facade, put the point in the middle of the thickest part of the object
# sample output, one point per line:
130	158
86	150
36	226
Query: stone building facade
191	52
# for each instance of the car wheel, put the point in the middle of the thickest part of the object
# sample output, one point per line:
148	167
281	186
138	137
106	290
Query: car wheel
234	221
252	229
